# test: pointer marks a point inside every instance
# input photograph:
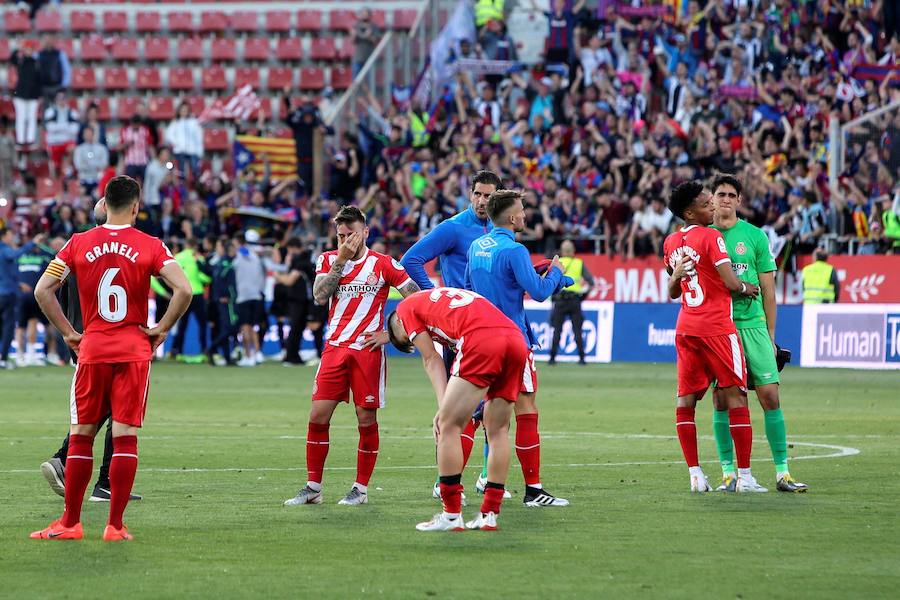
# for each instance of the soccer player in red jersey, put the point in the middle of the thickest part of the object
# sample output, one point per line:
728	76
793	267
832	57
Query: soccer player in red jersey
113	264
491	361
706	340
355	282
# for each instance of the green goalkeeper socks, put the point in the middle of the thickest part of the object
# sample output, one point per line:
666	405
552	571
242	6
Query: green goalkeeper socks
484	468
724	444
777	436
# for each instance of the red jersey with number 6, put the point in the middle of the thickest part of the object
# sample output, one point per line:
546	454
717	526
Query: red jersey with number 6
113	265
433	311
705	301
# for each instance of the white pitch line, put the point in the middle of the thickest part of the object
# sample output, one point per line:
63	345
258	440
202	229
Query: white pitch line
839	451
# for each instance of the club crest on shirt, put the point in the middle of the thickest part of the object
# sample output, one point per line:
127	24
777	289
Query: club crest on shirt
740	248
372	279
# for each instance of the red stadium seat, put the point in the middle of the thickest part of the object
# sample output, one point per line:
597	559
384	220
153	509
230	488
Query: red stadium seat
115	21
379	18
48	21
162	108
125	107
125	49
404	18
265	106
93	48
82	21
181	22
279	77
341	78
345	52
197	104
157	49
213	78
224	49
312	78
190	49
278	21
148	22
48	187
115	78
257	49
66	44
12	77
309	20
181	78
148	78
84	78
245	21
323	49
213	21
103	111
16	21
341	20
4	49
215	139
246	75
289	49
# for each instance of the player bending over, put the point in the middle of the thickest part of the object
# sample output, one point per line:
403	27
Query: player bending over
706	341
752	262
355	282
113	264
491	359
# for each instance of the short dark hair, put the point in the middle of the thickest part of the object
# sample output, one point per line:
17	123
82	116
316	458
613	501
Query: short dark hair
348	215
726	179
487	178
391	321
683	196
3	231
294	242
500	200
121	192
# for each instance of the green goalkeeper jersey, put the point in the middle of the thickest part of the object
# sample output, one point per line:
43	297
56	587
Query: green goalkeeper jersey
748	248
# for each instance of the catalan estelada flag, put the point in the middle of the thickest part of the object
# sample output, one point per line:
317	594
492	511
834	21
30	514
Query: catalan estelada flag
281	152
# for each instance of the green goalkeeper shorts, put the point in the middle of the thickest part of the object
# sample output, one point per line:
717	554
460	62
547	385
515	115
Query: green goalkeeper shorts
760	355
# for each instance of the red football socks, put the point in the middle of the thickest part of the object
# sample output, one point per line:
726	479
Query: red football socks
316	450
493	497
528	448
79	466
122	468
367	453
687	434
451	494
468	440
742	434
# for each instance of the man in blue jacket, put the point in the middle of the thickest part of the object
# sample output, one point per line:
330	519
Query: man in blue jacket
9	288
500	269
449	243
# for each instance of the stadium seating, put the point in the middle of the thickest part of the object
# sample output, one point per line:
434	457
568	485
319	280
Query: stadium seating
213	21
213	79
162	108
189	49
5	51
289	49
16	21
278	21
93	48
280	77
223	49
180	22
116	78
309	20
83	21
197	104
404	19
341	78
216	139
341	20
181	78
148	22
148	78
323	49
157	49
312	78
83	78
257	49
48	21
125	107
115	22
246	76
125	49
244	21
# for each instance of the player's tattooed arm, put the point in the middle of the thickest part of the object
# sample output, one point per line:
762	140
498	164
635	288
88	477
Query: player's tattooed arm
409	289
325	285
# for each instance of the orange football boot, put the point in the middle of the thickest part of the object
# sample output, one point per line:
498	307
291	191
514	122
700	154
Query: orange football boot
111	534
56	531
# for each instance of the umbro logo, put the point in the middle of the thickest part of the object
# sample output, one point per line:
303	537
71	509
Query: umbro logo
486	242
370	398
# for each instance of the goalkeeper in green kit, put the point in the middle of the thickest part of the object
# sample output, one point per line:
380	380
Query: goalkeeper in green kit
754	317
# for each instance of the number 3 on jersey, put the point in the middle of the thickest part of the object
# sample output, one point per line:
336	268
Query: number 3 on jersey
112	303
694	296
458	298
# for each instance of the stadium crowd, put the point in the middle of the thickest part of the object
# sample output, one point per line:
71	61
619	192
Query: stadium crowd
627	103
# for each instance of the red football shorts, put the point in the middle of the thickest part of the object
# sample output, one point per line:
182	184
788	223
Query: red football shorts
103	388
497	359
702	360
58	151
343	370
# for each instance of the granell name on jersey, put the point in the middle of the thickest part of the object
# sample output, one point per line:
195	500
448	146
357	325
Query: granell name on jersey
678	254
112	248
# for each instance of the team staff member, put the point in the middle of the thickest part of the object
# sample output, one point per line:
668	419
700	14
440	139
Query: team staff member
567	302
192	263
9	288
222	292
820	280
752	262
28	313
296	299
491	358
449	243
500	270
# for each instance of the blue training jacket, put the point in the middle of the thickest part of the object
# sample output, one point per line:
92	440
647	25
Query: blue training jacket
500	269
9	267
448	242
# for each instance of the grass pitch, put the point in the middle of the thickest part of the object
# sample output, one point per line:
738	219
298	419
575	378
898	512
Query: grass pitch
223	448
